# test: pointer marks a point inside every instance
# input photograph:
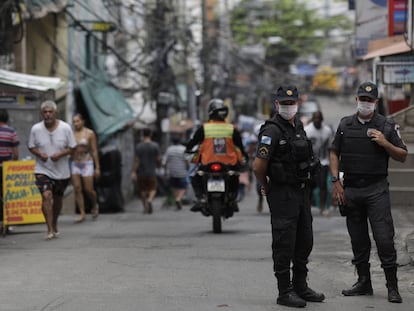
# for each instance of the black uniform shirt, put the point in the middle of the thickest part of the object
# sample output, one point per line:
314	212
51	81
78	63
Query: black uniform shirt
271	137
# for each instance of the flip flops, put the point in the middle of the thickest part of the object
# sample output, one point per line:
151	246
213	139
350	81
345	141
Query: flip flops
49	236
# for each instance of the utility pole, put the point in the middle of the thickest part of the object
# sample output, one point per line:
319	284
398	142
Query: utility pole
158	40
224	37
410	26
6	35
327	7
205	48
189	76
70	101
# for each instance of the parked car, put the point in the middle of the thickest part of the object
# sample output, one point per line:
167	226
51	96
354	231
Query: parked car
307	108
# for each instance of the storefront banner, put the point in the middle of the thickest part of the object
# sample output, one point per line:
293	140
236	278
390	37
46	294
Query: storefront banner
371	23
397	17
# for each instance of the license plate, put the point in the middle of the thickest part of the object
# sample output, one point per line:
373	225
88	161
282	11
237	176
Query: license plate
216	186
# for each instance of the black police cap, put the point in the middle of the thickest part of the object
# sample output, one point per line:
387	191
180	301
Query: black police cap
368	89
287	93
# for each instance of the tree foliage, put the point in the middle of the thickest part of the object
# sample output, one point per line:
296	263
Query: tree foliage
298	30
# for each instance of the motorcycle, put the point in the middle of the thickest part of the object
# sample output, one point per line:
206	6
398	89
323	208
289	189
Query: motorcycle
219	205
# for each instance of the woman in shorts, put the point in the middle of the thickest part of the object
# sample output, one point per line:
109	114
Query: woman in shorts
85	166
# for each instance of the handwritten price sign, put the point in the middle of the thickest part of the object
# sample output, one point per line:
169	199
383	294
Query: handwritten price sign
22	201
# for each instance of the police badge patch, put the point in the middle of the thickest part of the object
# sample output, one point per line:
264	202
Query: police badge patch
263	151
397	129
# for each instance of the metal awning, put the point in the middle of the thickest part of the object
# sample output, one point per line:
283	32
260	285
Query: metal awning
107	108
22	81
33	82
34	9
387	46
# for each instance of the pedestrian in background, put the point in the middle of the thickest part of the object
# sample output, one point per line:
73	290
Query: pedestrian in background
283	167
249	140
84	167
9	150
147	159
320	136
52	142
176	169
361	149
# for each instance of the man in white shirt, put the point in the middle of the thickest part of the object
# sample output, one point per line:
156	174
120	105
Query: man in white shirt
320	135
51	141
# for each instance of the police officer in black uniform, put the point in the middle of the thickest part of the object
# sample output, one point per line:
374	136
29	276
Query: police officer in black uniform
283	165
361	148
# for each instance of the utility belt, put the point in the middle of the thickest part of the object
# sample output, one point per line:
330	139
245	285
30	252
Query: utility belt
300	185
297	185
361	182
280	175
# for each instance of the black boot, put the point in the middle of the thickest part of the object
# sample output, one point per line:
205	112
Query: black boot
233	206
289	298
200	203
287	295
392	285
301	288
363	286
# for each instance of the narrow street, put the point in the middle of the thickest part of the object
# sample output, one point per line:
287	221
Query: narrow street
172	261
122	68
336	107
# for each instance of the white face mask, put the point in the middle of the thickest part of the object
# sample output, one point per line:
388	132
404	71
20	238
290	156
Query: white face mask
365	108
287	112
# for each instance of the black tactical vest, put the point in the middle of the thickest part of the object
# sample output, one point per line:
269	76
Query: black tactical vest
359	155
292	156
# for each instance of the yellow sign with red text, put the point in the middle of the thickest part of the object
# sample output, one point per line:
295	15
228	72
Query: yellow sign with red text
22	201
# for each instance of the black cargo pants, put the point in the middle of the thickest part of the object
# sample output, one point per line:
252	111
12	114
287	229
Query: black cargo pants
291	220
371	203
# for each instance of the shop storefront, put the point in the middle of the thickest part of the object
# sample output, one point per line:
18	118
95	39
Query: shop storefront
22	94
393	71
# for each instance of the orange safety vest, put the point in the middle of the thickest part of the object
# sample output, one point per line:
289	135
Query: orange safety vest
218	145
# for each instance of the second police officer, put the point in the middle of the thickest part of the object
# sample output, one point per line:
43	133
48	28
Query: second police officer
361	149
283	166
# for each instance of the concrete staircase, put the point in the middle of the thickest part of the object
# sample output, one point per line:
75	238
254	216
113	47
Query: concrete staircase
401	178
401	175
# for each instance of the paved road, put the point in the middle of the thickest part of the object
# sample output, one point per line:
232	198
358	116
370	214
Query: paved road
336	107
172	261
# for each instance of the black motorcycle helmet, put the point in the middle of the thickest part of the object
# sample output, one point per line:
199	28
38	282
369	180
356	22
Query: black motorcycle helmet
217	110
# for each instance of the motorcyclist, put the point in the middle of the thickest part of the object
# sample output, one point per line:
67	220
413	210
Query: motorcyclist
221	142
